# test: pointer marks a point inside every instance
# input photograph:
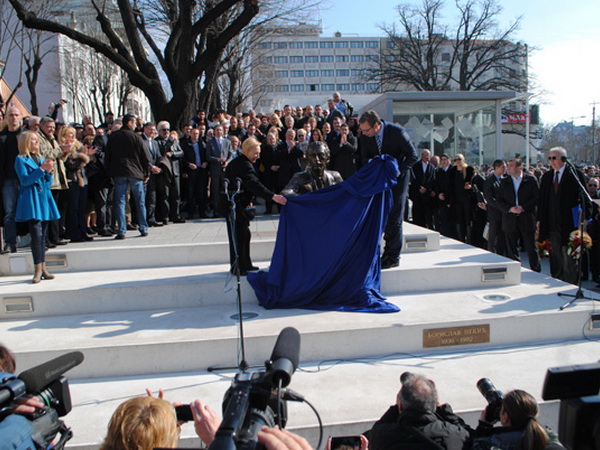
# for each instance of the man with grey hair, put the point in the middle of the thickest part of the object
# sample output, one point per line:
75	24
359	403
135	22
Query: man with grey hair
559	196
417	422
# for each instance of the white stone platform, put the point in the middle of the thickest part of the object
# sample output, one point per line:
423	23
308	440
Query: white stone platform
156	312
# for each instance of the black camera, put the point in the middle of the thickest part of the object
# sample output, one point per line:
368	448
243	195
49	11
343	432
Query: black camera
52	389
256	399
493	397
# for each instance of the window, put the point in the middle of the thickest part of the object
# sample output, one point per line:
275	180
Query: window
390	44
372	44
341	58
296	45
265	45
372	86
312	87
296	59
358	86
311	44
446	57
312	73
343	87
341	44
296	73
326	44
390	58
342	72
371	58
311	59
266	60
280	45
357	72
265	103
357	58
297	88
282	88
327	73
326	58
280	59
328	87
356	44
265	89
281	73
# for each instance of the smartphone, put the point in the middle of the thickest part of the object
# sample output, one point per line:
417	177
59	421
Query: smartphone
184	413
345	442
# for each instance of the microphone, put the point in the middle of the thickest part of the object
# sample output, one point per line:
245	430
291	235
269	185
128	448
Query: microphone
238	184
39	377
285	356
563	159
226	184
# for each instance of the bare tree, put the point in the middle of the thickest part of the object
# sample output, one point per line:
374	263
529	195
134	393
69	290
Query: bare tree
426	55
164	46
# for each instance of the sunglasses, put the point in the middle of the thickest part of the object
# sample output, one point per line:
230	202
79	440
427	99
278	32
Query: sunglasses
552	158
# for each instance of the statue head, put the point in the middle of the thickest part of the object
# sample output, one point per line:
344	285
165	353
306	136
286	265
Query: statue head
317	155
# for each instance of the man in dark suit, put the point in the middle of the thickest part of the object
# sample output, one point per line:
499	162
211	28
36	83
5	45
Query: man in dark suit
378	137
517	197
195	165
559	194
148	136
128	164
218	153
243	168
442	186
496	240
343	151
422	191
171	154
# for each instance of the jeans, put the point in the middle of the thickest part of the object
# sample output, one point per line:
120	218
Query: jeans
10	195
137	191
38	231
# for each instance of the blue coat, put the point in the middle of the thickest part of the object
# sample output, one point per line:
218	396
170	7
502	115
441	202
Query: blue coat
35	200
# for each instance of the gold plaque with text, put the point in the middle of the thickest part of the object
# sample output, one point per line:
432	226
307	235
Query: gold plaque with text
442	337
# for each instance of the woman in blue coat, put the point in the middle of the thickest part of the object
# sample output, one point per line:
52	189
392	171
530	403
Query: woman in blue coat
35	204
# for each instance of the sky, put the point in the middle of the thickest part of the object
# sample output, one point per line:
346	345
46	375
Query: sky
565	36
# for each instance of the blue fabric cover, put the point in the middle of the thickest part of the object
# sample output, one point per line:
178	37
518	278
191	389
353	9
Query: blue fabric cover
326	255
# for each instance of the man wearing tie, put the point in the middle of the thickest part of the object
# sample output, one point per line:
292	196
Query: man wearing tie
378	137
496	241
559	194
218	152
152	185
517	197
195	166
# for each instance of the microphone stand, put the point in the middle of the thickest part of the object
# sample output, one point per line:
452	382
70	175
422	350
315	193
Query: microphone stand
584	199
232	221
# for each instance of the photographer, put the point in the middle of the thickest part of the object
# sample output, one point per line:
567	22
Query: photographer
520	428
417	422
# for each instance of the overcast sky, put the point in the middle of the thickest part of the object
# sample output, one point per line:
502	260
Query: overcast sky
566	63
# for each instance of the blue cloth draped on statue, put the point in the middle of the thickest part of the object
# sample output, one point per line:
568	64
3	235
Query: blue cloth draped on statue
326	255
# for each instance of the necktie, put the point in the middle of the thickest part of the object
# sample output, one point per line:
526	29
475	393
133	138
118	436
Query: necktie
556	182
378	140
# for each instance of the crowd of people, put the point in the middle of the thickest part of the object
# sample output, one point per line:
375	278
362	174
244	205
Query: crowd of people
417	420
129	174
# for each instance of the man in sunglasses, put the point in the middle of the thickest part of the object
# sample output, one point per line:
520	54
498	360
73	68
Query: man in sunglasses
559	194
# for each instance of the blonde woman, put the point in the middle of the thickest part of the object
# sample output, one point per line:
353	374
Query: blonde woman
35	204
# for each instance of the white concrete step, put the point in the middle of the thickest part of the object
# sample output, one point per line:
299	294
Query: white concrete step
195	338
348	394
193	243
198	285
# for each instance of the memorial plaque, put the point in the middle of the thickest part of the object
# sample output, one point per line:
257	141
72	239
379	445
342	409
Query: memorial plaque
443	337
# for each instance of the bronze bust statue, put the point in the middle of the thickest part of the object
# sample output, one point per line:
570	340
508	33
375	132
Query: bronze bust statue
315	176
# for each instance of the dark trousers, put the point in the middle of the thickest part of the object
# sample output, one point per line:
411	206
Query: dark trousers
151	197
528	240
57	227
77	211
393	229
196	192
38	231
496	239
102	196
239	241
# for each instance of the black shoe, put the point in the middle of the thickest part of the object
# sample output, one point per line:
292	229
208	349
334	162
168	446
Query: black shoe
253	268
61	242
105	233
87	238
165	222
120	237
179	220
143	233
389	263
154	224
78	240
131	227
50	245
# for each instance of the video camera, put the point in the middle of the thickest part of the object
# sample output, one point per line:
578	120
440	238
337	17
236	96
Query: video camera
256	399
52	389
577	387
